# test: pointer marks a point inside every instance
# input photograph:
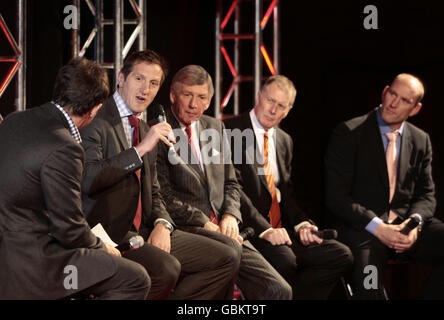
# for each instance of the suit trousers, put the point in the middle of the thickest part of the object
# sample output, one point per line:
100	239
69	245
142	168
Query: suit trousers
188	272
370	251
311	271
257	279
130	282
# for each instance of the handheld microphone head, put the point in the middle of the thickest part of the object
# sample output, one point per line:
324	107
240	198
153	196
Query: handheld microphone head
247	233
412	224
136	242
159	112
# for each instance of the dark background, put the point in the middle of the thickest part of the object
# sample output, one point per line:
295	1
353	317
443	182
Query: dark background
339	68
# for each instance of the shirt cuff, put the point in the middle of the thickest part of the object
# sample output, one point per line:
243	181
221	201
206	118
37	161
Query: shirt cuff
301	225
140	159
371	227
419	216
264	232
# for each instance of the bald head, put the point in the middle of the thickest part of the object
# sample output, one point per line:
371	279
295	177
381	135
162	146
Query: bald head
413	82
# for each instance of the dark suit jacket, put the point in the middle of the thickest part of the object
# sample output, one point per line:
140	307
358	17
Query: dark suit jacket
357	187
189	194
255	187
110	185
42	227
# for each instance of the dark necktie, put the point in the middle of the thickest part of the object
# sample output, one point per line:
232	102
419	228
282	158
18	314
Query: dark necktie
134	122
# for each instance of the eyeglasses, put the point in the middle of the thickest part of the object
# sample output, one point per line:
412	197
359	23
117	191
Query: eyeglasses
271	102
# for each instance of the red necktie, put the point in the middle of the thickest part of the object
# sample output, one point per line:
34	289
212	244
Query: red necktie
188	131
134	122
275	211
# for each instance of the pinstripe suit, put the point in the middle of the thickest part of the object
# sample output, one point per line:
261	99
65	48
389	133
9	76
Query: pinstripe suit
190	196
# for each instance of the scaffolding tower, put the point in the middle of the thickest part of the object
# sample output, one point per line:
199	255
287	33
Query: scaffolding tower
121	48
260	53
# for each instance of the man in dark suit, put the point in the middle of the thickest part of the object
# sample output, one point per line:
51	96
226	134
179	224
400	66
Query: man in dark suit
310	264
47	250
199	184
120	182
375	185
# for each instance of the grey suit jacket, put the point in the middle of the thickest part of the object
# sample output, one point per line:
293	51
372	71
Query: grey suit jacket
255	186
110	185
42	227
357	187
189	194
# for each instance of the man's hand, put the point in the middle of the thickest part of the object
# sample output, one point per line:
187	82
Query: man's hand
307	237
111	250
160	237
211	226
157	132
391	236
229	226
277	236
412	236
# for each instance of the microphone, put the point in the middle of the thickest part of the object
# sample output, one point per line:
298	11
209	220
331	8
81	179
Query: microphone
326	234
133	243
412	224
246	233
159	115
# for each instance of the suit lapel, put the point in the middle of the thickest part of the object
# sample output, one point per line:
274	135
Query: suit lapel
280	151
376	150
116	122
406	149
257	164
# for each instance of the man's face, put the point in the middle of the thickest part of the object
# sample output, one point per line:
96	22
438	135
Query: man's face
190	102
272	105
140	87
399	101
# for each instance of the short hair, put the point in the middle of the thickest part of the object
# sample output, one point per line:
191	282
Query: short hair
192	75
148	56
419	85
284	84
80	85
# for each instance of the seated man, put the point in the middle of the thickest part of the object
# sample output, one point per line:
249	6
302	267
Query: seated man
310	264
201	193
378	178
121	191
47	250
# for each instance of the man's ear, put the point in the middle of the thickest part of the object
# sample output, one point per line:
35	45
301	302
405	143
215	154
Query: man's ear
172	96
415	109
384	92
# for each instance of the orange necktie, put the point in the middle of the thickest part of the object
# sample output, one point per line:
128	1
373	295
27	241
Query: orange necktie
391	158
275	211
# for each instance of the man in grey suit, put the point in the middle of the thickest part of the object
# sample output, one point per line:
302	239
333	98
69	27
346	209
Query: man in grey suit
121	191
310	264
199	184
372	203
47	250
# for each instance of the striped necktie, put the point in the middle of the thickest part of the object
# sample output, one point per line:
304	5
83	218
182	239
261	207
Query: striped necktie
275	212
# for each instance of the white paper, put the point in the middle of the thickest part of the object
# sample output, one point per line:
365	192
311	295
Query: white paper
101	233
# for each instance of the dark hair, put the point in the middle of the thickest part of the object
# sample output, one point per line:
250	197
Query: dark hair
80	85
148	56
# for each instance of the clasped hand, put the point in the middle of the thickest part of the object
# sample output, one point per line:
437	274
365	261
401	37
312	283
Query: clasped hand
392	237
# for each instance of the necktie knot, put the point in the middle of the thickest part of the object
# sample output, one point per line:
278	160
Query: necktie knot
392	136
134	121
188	132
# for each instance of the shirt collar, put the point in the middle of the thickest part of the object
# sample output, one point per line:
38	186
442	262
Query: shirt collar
123	109
72	126
383	126
257	127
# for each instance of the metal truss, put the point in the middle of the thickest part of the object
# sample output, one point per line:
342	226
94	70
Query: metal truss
18	59
260	52
121	48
